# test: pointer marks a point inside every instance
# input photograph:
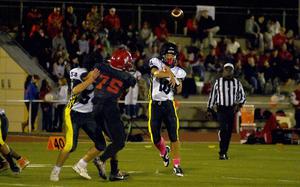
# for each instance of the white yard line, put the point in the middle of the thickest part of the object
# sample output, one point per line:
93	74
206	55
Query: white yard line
31	185
261	179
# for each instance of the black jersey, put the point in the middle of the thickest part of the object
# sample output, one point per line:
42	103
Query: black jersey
111	83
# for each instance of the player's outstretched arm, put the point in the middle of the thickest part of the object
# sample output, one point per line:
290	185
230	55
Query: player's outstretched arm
91	77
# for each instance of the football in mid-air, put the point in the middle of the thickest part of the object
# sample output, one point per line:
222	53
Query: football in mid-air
177	13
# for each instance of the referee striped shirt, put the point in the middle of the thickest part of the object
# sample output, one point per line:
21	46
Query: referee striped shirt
226	92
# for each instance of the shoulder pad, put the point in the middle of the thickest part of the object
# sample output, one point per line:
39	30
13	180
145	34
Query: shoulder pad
76	73
178	72
155	62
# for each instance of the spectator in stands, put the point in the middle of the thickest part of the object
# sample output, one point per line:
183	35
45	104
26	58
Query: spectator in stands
252	32
106	49
33	20
58	40
23	39
251	74
113	24
161	32
284	54
291	42
188	84
262	24
70	22
71	18
131	34
55	21
72	45
295	100
46	106
146	35
221	47
32	93
232	46
239	74
59	68
192	28
295	72
196	58
94	18
94	41
279	39
273	26
207	27
212	66
83	44
62	96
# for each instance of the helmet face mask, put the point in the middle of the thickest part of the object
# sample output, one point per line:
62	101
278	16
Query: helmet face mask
169	54
170	59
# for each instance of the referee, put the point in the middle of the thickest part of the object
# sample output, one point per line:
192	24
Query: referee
228	95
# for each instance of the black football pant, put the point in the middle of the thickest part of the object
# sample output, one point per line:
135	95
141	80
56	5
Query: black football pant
163	111
225	118
108	116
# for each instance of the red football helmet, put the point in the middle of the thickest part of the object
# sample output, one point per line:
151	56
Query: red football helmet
121	60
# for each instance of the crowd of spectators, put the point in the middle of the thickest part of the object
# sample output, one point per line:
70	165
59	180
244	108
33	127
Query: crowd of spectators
61	40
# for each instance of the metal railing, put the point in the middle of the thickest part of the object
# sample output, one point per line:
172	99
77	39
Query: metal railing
229	18
280	105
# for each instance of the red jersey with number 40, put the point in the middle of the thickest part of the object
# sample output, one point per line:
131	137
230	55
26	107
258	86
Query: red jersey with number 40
111	83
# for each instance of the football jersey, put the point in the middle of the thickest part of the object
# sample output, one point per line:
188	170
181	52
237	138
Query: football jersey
160	87
81	102
111	83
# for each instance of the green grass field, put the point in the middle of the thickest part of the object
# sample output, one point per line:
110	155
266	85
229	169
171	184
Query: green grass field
250	165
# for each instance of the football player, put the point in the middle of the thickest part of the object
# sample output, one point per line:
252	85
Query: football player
78	114
166	81
8	153
112	82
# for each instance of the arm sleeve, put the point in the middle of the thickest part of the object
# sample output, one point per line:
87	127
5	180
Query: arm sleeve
213	95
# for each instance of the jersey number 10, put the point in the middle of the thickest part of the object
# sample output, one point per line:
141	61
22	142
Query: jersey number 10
164	86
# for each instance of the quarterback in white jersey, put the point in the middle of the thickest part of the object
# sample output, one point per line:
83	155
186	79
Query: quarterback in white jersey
78	114
166	80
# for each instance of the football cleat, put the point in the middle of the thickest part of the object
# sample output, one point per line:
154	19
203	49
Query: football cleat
81	171
223	157
54	176
101	167
15	169
178	171
119	176
23	162
165	157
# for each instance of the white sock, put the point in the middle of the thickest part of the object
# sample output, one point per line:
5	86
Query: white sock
57	169
82	163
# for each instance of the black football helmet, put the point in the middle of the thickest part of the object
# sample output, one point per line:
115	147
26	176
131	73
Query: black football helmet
169	48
